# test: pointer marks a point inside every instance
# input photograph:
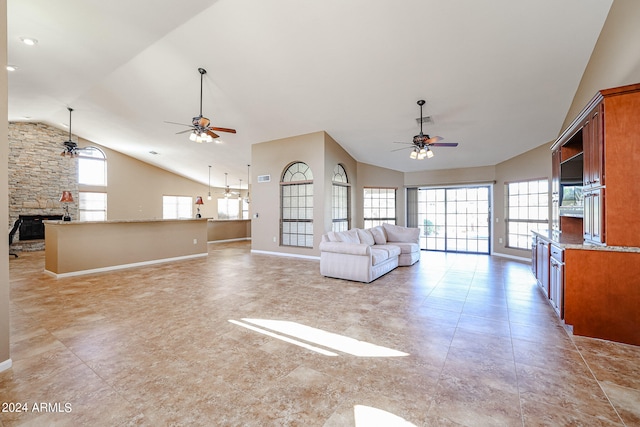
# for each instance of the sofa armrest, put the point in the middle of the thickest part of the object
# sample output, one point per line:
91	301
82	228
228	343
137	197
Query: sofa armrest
345	248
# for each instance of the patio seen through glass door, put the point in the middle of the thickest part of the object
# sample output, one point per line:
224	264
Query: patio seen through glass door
454	219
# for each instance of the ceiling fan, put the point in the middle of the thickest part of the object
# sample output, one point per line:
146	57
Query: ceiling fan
200	127
421	145
71	148
227	191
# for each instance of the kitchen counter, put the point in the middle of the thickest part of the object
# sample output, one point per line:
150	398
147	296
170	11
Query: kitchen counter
83	247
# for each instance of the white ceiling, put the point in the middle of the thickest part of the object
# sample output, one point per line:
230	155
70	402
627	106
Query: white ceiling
498	76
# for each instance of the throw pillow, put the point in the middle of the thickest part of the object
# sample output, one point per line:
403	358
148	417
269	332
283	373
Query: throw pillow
350	236
333	236
379	235
396	233
366	237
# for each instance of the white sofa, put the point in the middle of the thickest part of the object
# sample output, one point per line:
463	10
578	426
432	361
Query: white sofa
363	255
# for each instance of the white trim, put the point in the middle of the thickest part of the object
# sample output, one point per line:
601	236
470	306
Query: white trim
254	251
517	258
5	365
239	239
123	266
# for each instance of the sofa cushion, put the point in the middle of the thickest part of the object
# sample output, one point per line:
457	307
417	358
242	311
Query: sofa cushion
378	255
366	237
392	250
350	236
332	236
406	247
397	233
379	235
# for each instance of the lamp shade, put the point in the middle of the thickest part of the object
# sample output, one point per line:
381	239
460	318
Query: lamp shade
199	200
66	196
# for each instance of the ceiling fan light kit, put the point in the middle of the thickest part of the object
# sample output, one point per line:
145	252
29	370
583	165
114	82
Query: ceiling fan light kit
421	145
200	128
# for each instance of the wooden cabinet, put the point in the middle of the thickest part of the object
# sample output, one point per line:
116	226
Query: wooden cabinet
596	288
594	216
542	267
556	279
593	146
606	134
555	190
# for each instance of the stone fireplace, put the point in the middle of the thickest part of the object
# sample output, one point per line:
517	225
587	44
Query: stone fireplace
37	176
32	226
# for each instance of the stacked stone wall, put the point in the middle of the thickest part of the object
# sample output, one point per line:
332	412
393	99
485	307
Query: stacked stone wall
38	173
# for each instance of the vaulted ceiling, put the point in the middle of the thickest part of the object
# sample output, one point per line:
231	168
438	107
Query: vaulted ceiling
498	76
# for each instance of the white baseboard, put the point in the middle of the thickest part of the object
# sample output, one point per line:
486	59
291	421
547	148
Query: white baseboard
254	251
517	258
5	365
123	266
240	239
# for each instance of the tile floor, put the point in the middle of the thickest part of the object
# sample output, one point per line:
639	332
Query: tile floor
466	340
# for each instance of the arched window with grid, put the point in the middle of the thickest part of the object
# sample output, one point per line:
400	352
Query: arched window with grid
296	206
340	198
92	181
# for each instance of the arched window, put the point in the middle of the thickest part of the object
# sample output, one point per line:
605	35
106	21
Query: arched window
92	167
340	206
296	206
92	182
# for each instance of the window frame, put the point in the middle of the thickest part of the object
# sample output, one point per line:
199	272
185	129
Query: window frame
93	161
181	201
371	221
527	224
296	222
340	199
82	210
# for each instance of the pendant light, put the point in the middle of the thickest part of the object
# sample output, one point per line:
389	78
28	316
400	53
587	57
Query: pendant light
247	199
209	195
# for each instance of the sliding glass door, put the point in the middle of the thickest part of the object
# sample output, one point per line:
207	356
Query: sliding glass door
454	219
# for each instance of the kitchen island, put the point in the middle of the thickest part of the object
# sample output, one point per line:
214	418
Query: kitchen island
83	247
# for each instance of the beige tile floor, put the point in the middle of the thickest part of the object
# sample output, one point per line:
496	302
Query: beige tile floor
155	346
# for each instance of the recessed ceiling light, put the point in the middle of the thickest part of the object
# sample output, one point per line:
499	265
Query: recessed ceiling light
29	41
11	68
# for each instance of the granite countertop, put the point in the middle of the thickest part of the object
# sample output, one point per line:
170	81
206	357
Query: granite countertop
577	242
121	221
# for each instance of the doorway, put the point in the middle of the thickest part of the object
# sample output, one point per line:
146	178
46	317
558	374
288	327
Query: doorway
455	219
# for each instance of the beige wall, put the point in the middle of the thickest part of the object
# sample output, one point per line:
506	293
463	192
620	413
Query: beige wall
135	188
271	158
322	153
228	230
615	60
534	164
447	177
4	194
80	247
335	154
374	176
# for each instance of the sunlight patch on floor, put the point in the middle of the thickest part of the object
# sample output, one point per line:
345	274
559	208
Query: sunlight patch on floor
366	416
318	337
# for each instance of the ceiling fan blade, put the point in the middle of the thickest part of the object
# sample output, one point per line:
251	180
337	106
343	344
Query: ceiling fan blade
181	124
444	144
223	129
433	139
184	131
212	135
400	149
